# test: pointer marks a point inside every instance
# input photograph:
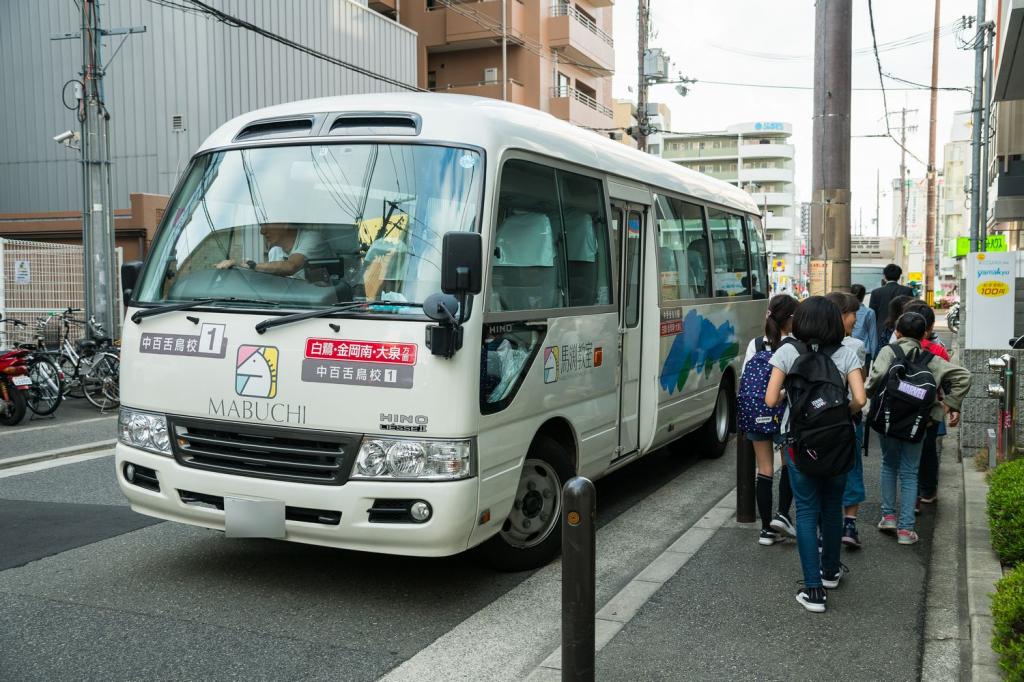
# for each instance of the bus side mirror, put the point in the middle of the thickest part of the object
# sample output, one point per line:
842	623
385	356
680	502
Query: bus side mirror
461	263
129	278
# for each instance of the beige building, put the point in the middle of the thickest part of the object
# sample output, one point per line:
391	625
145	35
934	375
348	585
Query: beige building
624	119
558	54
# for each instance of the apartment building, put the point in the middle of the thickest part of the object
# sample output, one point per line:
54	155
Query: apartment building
956	206
1006	174
554	55
759	158
910	244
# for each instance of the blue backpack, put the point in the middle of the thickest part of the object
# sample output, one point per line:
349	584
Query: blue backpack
753	415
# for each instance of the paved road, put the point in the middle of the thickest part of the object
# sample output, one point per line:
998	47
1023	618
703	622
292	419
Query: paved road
76	422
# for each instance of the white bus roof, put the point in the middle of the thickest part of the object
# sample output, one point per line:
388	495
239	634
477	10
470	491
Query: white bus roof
493	124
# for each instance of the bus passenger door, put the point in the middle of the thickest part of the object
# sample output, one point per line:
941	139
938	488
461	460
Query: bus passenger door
628	224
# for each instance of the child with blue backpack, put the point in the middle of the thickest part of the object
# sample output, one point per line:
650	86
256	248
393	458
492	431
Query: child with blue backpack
762	423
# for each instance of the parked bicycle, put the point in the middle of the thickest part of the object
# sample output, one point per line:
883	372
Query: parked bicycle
90	367
42	383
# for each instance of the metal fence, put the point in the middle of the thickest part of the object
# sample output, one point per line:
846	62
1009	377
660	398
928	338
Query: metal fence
38	279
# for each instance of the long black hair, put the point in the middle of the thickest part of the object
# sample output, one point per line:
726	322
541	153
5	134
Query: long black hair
780	309
818	320
896	306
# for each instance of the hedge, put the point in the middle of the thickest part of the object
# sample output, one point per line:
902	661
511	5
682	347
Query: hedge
1008	615
1006	511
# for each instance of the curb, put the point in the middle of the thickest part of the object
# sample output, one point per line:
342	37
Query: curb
32	458
983	570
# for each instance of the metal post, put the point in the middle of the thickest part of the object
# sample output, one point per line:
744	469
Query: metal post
1006	392
504	51
643	29
830	219
929	239
986	141
579	579
979	73
745	480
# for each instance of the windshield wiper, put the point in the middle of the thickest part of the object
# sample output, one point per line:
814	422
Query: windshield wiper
335	308
139	315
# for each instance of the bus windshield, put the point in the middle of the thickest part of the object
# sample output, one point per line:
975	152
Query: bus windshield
313	225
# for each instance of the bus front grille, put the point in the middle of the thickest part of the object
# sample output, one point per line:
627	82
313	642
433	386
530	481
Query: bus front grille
284	454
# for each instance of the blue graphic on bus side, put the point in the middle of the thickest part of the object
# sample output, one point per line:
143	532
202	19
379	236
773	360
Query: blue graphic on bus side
701	345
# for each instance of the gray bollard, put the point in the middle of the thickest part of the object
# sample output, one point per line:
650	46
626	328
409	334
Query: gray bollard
579	579
746	469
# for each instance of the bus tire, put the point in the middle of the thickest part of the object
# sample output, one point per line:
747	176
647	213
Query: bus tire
531	536
713	436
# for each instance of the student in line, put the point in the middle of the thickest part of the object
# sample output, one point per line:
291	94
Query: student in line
818	325
778	325
865	327
853	493
928	470
896	306
901	458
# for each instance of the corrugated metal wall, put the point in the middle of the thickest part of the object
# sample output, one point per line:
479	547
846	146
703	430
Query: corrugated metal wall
184	64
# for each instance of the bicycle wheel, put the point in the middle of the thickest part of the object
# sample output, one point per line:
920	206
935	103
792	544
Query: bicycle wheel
46	393
72	380
101	381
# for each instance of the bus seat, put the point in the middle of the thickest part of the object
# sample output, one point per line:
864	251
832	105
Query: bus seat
525	276
581	251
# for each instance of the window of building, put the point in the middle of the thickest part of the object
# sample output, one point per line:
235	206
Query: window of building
758	264
551	242
683	267
563	86
729	253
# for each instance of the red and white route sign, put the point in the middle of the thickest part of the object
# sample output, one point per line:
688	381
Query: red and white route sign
362	351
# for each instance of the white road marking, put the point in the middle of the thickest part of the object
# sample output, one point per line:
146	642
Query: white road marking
51	463
55	425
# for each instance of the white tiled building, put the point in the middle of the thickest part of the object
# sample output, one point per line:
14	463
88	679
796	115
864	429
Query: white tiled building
759	158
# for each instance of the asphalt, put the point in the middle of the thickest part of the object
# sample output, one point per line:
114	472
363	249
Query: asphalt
730	612
76	422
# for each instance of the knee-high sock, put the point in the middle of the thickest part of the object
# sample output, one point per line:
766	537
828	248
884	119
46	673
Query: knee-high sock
764	498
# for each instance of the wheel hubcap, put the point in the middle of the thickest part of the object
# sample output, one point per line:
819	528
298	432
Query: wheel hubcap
535	510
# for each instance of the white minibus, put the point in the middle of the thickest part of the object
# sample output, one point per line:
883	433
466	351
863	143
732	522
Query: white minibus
399	323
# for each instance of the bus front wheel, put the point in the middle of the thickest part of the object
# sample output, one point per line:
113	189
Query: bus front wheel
714	435
531	536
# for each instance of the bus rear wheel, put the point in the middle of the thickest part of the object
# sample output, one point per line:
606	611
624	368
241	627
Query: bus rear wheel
713	436
531	536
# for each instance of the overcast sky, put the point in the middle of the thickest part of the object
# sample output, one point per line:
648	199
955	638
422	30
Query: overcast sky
713	41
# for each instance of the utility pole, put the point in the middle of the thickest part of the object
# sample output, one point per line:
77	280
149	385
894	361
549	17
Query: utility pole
98	257
504	51
979	73
929	235
878	193
986	141
643	19
830	202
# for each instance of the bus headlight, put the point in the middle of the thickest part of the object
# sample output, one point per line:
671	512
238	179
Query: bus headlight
144	430
410	459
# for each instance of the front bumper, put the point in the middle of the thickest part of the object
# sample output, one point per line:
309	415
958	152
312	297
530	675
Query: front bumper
447	531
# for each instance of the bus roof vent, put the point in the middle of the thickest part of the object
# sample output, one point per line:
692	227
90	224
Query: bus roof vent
376	123
272	128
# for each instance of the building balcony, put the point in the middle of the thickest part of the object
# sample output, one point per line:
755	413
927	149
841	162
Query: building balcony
727	175
706	153
478	23
772	198
384	6
601	3
516	91
766	175
766	151
578	108
780	222
576	36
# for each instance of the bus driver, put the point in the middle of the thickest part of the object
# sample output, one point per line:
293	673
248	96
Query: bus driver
289	248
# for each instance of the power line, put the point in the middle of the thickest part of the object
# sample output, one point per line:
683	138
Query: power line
199	7
881	81
775	86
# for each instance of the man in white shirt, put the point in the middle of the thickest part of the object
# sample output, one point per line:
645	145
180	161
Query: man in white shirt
289	248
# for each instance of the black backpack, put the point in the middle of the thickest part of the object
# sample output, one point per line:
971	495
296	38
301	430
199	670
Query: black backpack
902	402
821	436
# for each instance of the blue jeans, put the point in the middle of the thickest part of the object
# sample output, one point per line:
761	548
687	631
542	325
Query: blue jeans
818	498
854	493
900	459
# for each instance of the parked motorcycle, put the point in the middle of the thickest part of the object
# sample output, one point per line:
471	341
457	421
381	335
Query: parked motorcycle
14	385
953	318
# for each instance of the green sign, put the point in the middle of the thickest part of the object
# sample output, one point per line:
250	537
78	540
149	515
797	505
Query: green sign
995	242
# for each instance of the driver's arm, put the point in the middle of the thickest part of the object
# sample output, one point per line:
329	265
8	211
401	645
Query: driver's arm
284	268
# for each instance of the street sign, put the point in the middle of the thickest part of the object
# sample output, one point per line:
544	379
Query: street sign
915	276
993	242
990	285
22	272
778	265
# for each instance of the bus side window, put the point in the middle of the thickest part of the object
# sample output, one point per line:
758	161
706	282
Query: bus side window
758	264
586	239
682	250
732	267
528	268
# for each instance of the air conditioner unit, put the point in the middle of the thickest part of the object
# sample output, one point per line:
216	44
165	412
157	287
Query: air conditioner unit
491	75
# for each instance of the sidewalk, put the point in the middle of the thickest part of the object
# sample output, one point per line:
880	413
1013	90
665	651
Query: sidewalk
730	611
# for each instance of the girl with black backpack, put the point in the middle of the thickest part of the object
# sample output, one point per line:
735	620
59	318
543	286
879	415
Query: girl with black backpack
762	423
820	380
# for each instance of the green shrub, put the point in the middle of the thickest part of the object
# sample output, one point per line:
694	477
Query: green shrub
1008	616
1006	510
